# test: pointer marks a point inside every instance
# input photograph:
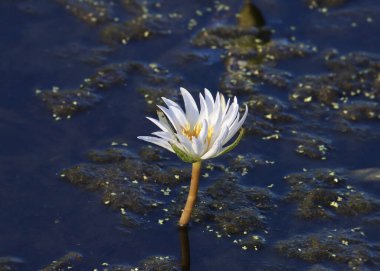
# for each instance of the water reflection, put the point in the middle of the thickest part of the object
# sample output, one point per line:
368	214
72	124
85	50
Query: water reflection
185	248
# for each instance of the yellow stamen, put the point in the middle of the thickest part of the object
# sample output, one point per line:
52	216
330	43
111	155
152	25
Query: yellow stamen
209	134
189	133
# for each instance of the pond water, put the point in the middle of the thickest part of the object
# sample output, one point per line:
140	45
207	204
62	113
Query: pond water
300	192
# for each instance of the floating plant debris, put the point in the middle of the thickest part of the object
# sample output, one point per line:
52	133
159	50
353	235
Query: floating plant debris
347	247
65	103
324	193
230	209
125	181
66	262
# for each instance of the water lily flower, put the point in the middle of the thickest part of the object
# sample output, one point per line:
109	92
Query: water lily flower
196	135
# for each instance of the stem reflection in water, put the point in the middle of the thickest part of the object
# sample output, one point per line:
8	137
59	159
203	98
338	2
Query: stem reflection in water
185	248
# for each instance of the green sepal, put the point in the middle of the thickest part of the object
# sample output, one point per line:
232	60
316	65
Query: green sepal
235	143
183	155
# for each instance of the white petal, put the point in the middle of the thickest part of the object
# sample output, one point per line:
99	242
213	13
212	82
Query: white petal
235	127
204	132
216	113
179	115
160	125
209	101
231	114
216	120
164	121
165	135
185	144
218	125
197	146
170	103
158	141
222	135
226	107
232	127
222	102
204	111
172	118
216	148
191	108
243	118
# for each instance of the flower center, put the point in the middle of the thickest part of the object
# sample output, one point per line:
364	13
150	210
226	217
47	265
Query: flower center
189	133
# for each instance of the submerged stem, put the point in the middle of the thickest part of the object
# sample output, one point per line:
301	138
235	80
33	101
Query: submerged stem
185	248
192	196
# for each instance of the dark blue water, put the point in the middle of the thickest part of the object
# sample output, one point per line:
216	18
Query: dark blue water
42	217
